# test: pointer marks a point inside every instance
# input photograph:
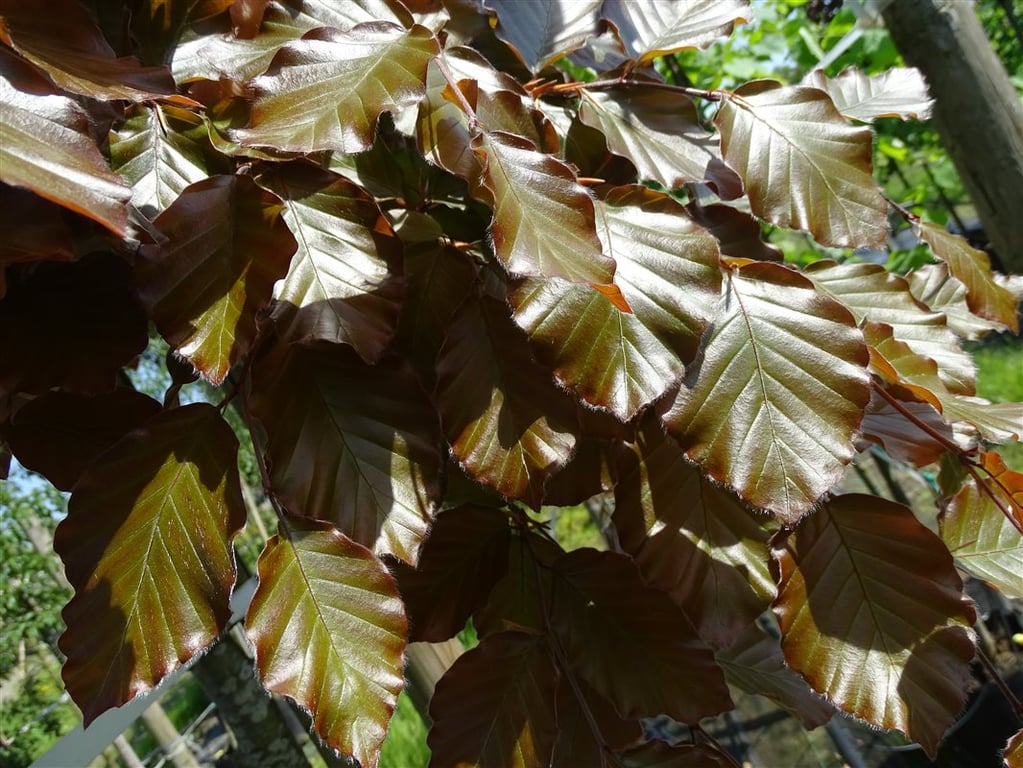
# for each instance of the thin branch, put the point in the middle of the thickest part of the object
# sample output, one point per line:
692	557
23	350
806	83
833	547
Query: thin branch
996	678
621	82
264	474
949	444
470	112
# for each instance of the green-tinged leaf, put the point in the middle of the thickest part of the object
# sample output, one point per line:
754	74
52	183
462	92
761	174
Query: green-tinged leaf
982	538
61	38
34	230
934	286
630	642
662	136
227	245
1013	755
494	708
657	754
69	325
45	146
542	31
803	166
872	293
652	28
576	744
897	92
793	402
667	270
972	268
507	423
147	546
327	90
754	663
543	218
997	422
344	283
160	151
692	539
873	616
738	234
900	434
350	443
329	630
59	433
464	555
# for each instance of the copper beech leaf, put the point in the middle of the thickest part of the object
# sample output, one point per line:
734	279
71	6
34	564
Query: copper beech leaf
326	91
45	146
629	642
34	230
793	401
934	286
577	744
690	538
803	166
1003	485
1013	755
652	28
542	31
901	436
494	708
61	38
897	92
667	270
738	234
328	630
662	136
507	423
658	754
344	283
147	546
350	443
972	268
543	218
872	614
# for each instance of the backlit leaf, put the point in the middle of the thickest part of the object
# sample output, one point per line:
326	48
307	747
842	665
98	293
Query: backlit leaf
494	708
629	641
45	146
507	423
344	282
652	28
329	629
203	287
897	92
872	615
803	166
543	218
667	270
1013	756
972	268
794	403
1003	484
350	443
147	546
327	90
542	31
661	134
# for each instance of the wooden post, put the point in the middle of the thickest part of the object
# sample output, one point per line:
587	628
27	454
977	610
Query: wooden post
167	737
976	111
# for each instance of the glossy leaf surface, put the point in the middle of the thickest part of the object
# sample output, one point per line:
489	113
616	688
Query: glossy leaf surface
898	92
329	629
652	28
542	31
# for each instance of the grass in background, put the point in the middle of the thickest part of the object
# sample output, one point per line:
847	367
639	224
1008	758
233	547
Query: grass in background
1000	379
405	745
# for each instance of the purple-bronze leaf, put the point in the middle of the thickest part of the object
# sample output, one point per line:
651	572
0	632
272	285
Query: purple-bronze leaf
658	754
34	230
577	744
329	630
542	31
652	28
872	614
147	547
897	92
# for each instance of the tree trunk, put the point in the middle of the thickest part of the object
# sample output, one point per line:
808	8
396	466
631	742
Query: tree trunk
976	111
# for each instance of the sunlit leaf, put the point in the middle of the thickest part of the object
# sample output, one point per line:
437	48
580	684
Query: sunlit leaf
1013	756
329	629
227	245
350	443
465	553
344	282
658	754
543	218
667	270
690	538
629	641
507	423
872	615
494	708
61	38
542	31
897	92
934	286
652	28
972	268
327	90
794	403
803	166
45	146
1001	483
147	546
661	134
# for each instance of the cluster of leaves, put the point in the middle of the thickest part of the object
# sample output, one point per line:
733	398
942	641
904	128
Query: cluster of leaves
435	275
